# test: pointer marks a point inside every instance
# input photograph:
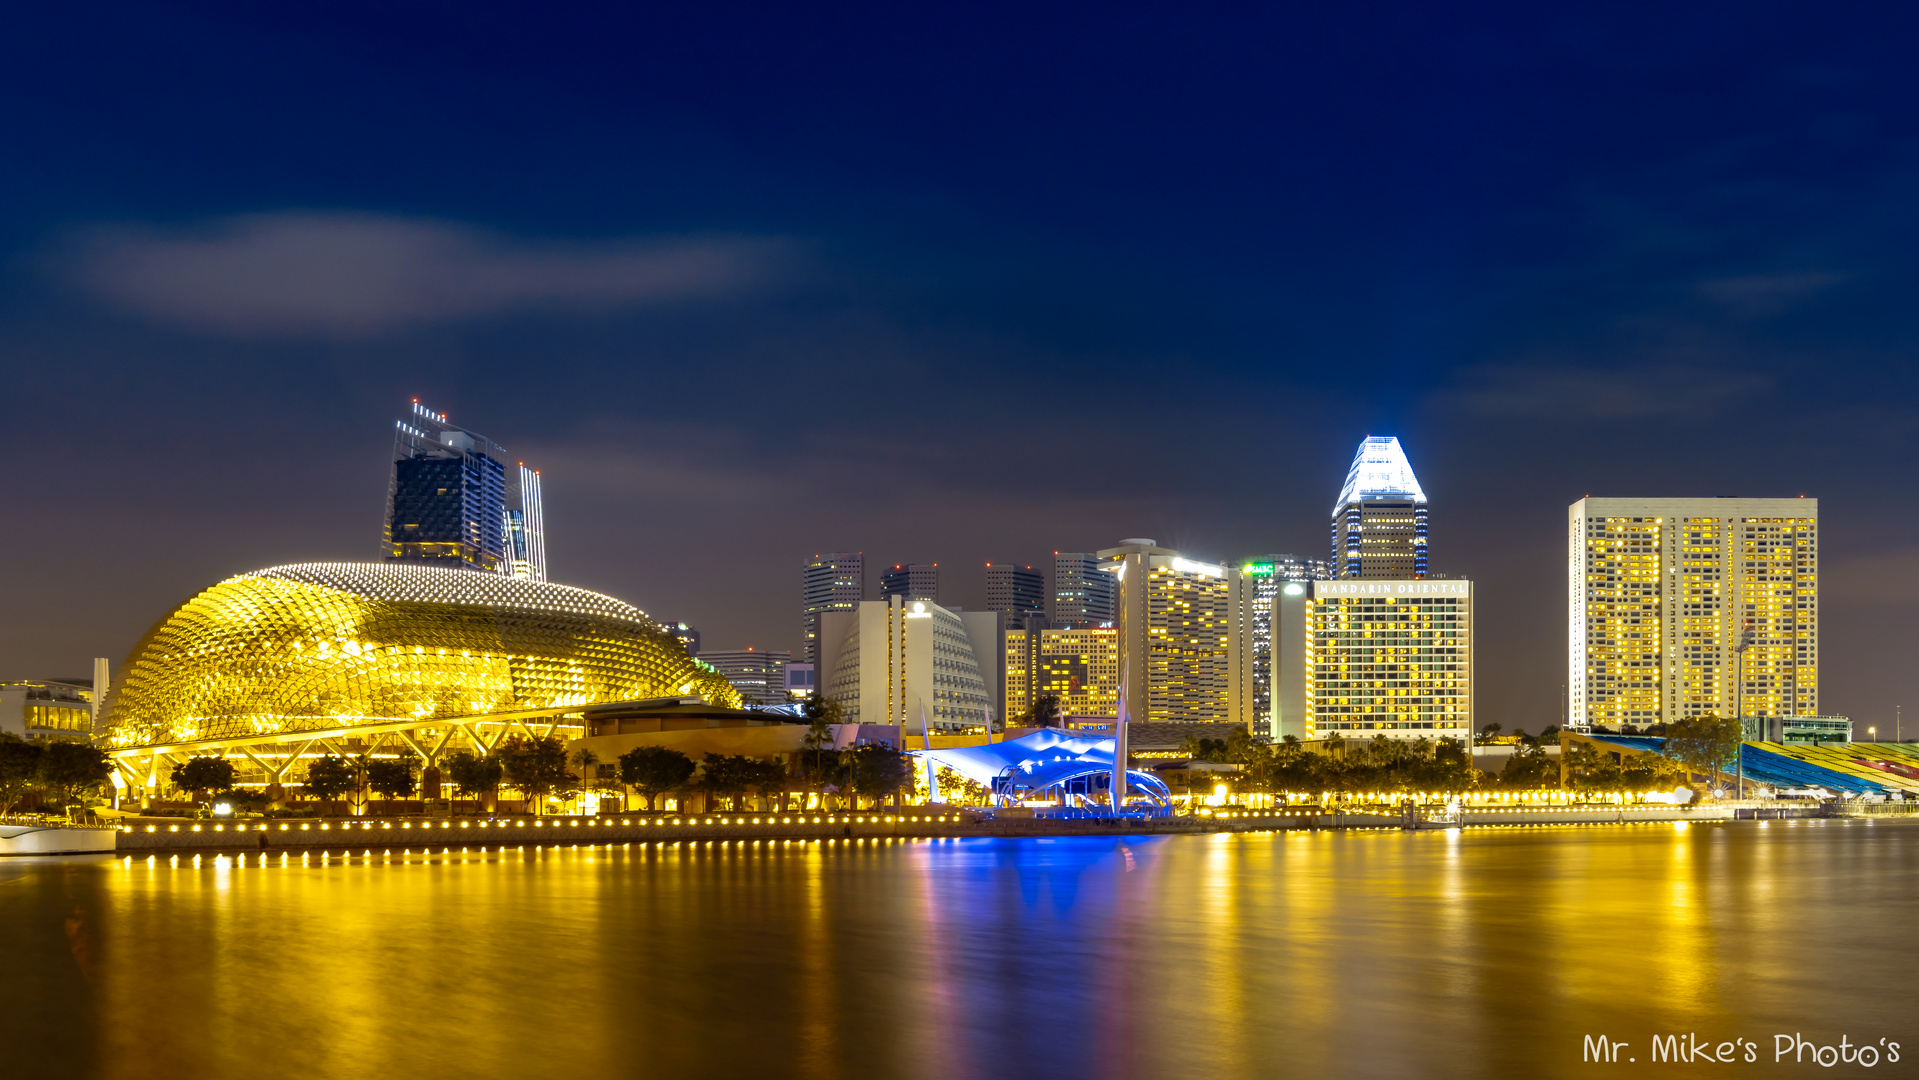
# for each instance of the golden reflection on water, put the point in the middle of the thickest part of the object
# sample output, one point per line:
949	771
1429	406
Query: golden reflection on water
1489	953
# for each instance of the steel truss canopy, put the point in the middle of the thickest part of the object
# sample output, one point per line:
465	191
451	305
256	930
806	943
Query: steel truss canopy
1040	761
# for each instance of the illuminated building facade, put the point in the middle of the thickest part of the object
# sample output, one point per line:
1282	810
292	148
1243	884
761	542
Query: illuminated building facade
1017	592
1175	620
1256	584
1357	659
47	709
1662	592
1078	666
759	676
834	581
887	660
297	661
1082	592
912	581
454	500
1379	522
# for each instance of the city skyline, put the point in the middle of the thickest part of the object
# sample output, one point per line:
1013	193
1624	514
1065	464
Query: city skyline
713	311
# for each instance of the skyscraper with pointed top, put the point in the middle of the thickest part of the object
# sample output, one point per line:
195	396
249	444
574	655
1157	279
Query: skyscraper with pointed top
1379	522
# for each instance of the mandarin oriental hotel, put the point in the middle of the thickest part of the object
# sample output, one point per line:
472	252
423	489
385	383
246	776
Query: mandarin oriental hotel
1359	658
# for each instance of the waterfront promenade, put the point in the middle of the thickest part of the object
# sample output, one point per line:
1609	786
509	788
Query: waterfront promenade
174	834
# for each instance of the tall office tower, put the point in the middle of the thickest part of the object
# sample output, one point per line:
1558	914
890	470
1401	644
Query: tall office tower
1356	659
760	677
1379	522
835	581
1663	592
452	500
1256	582
1078	666
1175	620
1018	592
912	581
1082	593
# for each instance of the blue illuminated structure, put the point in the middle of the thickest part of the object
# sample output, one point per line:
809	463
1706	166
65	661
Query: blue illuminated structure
1054	764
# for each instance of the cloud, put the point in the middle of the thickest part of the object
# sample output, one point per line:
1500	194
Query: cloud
353	275
1761	295
1626	393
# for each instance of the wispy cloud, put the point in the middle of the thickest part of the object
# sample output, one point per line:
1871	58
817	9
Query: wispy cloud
1644	392
1761	295
353	275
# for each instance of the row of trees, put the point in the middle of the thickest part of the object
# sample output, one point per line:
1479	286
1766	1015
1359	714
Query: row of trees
1345	765
539	768
60	773
1707	745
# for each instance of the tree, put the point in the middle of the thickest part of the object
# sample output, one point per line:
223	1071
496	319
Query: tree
535	767
1488	733
328	778
475	776
1199	749
392	777
1529	769
201	776
816	746
588	763
1044	712
879	770
72	768
1704	744
726	776
653	771
19	769
768	775
831	773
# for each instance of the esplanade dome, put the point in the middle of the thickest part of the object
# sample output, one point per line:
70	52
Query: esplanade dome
325	646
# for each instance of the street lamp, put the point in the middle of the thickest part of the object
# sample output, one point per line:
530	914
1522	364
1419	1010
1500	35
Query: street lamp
1739	699
1873	732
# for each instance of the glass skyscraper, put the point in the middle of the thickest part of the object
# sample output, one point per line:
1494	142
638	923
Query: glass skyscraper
1082	592
1261	579
1379	522
1018	592
453	500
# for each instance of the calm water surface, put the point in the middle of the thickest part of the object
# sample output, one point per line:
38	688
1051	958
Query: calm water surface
1359	954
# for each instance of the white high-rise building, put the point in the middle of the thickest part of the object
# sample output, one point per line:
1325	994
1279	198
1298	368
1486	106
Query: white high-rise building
1663	592
887	660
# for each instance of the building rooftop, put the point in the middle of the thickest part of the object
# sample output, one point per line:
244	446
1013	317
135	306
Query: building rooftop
1380	471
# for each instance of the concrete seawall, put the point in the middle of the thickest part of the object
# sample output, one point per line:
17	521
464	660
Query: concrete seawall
55	840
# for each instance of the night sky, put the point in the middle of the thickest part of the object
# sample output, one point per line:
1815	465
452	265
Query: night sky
954	286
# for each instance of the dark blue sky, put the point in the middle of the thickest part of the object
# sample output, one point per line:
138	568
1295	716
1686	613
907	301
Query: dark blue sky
748	284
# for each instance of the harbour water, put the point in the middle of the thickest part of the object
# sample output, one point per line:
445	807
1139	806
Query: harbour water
1495	952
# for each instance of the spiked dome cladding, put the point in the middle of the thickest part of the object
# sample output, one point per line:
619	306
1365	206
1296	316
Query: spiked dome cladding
320	646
